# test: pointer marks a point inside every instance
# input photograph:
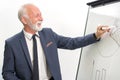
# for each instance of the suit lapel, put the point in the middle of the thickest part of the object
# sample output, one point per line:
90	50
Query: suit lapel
42	41
25	49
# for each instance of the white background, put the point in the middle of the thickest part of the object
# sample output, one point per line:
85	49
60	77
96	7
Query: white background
65	17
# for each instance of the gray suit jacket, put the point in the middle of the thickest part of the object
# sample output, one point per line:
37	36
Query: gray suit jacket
17	63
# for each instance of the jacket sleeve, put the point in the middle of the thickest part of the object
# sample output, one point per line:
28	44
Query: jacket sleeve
8	70
73	43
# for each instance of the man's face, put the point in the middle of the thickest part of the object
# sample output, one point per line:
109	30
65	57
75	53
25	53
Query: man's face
34	19
35	26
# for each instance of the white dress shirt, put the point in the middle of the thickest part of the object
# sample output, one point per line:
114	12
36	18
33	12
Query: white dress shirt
44	73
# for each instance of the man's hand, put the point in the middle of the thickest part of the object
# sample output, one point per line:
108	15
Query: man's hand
101	30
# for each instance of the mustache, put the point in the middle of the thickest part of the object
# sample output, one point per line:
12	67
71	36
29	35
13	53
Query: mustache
39	22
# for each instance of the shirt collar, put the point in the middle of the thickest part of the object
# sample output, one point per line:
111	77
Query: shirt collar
29	35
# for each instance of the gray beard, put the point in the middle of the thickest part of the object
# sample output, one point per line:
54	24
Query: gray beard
35	26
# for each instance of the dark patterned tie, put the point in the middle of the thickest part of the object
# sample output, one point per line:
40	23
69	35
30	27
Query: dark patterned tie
35	60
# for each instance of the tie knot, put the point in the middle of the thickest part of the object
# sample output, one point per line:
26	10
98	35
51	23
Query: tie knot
34	36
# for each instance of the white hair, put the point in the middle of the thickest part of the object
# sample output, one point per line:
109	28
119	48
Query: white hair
23	11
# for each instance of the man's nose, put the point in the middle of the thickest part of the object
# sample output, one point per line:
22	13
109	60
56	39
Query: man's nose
40	18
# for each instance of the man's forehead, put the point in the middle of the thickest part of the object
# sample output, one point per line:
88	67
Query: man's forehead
32	8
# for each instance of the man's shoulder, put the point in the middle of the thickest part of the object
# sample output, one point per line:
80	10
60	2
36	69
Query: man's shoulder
14	37
45	30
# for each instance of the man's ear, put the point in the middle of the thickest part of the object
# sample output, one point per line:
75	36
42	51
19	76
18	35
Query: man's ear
23	20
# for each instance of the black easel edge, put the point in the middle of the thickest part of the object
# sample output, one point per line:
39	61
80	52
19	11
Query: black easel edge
101	2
